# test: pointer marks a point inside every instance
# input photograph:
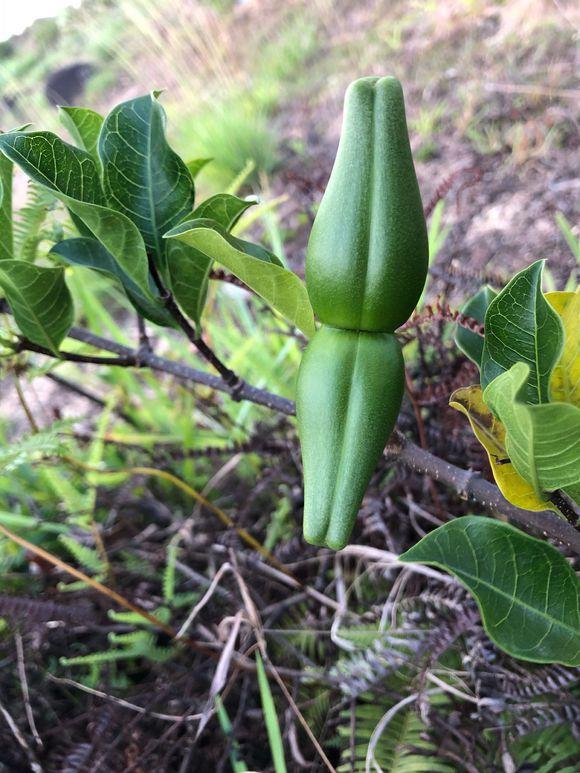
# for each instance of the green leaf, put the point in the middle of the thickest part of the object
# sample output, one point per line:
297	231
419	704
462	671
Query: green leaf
521	326
270	718
542	441
255	266
492	435
143	177
197	165
470	343
121	239
573	492
188	267
526	591
90	253
84	126
58	166
72	175
565	382
6	238
188	275
40	301
224	208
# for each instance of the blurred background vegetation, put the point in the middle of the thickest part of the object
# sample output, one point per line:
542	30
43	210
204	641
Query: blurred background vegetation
492	95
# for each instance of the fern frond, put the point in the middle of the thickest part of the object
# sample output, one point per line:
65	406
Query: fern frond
169	573
138	639
29	220
521	683
550	750
545	715
185	599
85	556
131	618
159	654
402	748
94	658
30	448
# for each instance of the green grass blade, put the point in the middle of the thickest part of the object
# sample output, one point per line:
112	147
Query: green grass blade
272	726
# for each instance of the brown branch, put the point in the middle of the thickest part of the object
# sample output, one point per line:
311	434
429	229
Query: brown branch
468	484
129	360
473	487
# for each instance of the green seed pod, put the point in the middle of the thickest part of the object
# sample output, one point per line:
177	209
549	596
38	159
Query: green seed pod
349	393
367	255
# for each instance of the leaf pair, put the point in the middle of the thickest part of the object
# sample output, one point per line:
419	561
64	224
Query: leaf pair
526	414
125	189
88	186
533	444
259	270
520	326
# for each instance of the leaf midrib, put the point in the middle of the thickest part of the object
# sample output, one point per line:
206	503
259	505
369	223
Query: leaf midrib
149	172
500	592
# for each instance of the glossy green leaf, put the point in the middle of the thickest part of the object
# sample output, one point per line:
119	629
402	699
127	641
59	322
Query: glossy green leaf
224	208
188	275
40	301
470	343
526	591
6	239
143	177
521	326
196	165
91	254
72	175
255	266
60	167
542	441
120	238
84	126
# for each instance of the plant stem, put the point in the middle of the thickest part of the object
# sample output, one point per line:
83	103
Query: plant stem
469	485
231	379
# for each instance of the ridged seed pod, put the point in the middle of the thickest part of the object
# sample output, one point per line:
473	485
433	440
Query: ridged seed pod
366	266
349	394
367	256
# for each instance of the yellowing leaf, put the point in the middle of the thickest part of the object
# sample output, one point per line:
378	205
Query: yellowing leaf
565	380
491	434
542	441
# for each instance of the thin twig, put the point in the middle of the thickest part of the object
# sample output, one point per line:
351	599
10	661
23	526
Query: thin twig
21	740
24	345
229	377
24	688
25	407
125	704
82	391
144	341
